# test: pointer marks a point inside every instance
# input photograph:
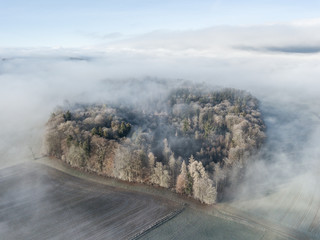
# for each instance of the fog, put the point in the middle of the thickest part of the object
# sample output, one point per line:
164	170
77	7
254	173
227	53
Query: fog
279	64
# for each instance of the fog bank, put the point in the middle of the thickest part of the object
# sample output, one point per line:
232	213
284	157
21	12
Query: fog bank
278	64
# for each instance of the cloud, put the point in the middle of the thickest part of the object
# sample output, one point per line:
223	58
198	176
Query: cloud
295	49
224	41
306	22
286	49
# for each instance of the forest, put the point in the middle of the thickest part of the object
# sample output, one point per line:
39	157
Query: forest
196	141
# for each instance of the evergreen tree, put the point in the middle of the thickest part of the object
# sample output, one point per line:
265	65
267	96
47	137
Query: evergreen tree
94	131
67	116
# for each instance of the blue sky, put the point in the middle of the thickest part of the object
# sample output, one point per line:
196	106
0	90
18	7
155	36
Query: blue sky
76	23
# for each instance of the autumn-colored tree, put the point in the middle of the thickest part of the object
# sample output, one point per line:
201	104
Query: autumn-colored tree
182	179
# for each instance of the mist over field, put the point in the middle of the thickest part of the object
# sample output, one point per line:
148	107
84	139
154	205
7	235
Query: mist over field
277	63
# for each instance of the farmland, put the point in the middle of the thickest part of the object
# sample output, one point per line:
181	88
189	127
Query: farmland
192	224
294	204
42	202
38	202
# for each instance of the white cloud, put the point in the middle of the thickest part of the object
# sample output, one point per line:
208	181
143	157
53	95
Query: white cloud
307	22
224	41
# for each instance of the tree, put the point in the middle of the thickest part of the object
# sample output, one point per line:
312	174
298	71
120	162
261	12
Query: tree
203	189
161	176
172	166
107	133
69	140
94	131
101	153
189	186
121	163
206	193
182	179
151	160
136	165
86	146
124	129
67	116
76	156
166	150
191	160
53	139
128	164
208	127
185	125
100	132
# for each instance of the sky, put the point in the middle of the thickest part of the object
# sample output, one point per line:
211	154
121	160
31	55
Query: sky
84	23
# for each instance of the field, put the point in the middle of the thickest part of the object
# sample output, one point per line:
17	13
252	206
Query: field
192	224
38	202
295	205
42	202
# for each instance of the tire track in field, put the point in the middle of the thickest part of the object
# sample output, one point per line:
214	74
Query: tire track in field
158	223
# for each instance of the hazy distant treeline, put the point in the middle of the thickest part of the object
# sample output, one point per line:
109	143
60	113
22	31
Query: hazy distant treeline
193	140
